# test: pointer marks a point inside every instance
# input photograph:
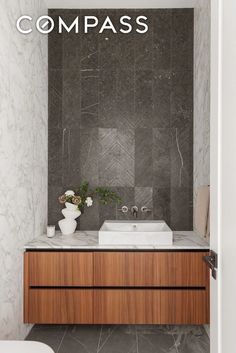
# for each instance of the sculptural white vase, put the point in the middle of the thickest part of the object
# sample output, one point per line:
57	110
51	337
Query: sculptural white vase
68	224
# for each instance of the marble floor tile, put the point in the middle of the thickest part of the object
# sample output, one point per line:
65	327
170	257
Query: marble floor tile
156	344
86	336
122	338
191	339
52	335
119	339
71	345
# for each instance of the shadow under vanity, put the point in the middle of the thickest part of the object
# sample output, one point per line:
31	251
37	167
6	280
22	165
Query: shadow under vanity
73	279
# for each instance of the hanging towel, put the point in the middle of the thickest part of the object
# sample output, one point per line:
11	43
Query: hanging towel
202	210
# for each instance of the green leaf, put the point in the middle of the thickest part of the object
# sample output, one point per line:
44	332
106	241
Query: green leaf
107	196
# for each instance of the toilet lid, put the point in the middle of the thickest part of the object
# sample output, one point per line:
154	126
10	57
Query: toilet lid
24	347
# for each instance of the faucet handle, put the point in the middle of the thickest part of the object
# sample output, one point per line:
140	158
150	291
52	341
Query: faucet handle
123	209
145	209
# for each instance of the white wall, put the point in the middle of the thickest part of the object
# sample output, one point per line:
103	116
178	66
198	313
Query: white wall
202	37
228	171
215	177
223	174
23	154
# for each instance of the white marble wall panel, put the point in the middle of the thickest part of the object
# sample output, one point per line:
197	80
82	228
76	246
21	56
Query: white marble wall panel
202	21
23	154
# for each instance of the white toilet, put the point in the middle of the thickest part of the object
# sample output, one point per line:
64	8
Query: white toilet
24	347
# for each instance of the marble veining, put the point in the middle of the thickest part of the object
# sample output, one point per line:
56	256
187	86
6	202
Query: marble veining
122	338
181	158
23	154
89	240
202	30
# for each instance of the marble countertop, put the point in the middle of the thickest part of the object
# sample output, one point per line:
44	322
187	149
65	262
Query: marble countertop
89	240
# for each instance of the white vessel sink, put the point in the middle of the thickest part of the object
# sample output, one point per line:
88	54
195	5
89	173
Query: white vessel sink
135	233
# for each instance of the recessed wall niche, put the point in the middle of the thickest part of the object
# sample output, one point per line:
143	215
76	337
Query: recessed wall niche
121	115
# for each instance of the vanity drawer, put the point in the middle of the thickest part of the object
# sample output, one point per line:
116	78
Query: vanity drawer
126	306
161	269
189	307
51	269
60	306
150	306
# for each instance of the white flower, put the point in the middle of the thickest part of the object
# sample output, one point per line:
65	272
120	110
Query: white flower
69	193
89	201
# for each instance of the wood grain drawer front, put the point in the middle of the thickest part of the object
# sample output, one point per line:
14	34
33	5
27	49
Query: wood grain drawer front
60	269
114	269
185	307
138	306
60	306
126	306
166	269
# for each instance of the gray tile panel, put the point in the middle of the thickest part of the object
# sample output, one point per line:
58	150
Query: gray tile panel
121	114
143	157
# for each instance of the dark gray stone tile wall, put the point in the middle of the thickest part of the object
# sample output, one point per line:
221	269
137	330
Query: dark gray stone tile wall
121	115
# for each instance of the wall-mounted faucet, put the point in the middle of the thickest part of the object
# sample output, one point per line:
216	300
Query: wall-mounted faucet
134	211
145	209
123	209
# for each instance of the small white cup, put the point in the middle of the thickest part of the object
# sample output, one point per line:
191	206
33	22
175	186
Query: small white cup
50	231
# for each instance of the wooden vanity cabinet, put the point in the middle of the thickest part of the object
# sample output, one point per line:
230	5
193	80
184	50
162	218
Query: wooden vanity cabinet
116	287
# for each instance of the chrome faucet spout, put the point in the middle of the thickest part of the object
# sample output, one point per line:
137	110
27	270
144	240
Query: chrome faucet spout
134	211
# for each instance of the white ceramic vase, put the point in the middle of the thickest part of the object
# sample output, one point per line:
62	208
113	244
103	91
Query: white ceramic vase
68	224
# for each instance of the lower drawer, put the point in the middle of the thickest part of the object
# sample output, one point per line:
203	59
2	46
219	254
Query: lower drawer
117	306
59	306
138	306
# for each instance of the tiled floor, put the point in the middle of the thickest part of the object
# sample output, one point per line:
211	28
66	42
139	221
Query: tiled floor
122	339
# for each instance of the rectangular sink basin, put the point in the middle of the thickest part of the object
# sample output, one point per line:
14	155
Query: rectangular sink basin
135	233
